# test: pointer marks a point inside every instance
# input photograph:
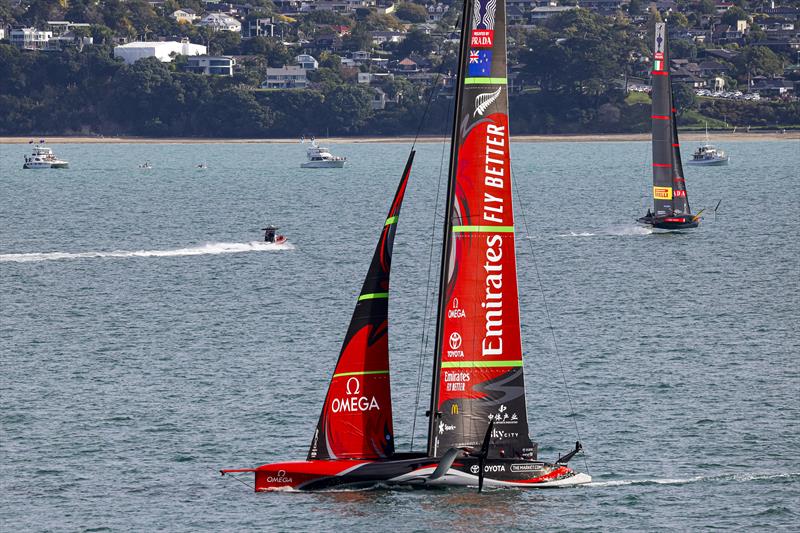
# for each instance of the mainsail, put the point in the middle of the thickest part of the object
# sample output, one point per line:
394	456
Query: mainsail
478	373
669	186
356	419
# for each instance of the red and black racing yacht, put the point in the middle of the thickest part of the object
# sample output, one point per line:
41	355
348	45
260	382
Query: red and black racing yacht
670	202
477	421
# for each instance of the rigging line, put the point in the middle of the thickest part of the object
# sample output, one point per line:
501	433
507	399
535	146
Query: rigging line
231	476
428	104
424	339
515	188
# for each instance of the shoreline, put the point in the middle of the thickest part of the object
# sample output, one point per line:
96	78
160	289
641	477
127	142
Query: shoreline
774	135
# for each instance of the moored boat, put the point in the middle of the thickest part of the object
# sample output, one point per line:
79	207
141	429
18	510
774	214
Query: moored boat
708	155
43	157
477	421
321	157
671	209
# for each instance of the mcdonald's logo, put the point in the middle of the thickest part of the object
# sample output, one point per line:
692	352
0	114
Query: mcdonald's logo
454	409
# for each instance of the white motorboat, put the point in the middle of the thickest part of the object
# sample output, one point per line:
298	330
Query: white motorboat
708	155
320	157
43	157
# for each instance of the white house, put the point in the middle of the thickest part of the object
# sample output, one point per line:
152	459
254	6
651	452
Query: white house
30	38
211	65
288	77
221	22
185	16
163	51
306	62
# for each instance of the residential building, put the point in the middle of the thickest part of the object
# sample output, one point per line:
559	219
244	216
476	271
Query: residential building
185	16
258	28
62	27
30	38
380	37
378	99
163	51
287	77
211	65
545	12
306	62
407	65
221	22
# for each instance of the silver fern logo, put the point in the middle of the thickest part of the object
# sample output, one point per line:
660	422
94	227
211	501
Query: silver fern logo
484	100
484	21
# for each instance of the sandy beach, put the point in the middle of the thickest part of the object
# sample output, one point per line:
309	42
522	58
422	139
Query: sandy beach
686	136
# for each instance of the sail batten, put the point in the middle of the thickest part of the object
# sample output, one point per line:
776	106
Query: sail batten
478	374
356	419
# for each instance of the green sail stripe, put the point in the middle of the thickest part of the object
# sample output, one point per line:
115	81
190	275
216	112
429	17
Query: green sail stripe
373	295
362	373
483	229
391	220
479	364
478	81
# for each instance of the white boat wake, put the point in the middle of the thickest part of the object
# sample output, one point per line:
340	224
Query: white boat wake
742	477
211	248
622	230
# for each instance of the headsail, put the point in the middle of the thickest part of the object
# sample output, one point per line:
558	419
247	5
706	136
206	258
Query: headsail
669	187
356	420
478	375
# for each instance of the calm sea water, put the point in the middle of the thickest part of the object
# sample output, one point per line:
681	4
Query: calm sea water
146	342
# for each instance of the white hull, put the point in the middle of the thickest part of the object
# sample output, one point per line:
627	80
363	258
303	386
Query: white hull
323	164
456	478
40	165
708	162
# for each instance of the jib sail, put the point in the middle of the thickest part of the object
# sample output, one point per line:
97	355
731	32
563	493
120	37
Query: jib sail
478	373
356	419
669	186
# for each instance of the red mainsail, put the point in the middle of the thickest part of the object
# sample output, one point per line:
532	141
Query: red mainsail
478	375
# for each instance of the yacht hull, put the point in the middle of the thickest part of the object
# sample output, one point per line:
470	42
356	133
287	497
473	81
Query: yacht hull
412	472
708	163
671	223
323	164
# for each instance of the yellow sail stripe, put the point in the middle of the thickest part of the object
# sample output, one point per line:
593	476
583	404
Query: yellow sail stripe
480	364
478	81
483	229
361	373
373	295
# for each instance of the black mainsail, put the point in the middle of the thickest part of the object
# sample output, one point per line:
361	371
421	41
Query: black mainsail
670	200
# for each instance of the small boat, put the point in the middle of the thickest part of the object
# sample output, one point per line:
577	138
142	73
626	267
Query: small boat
320	157
271	237
43	157
477	424
670	200
146	165
708	155
202	166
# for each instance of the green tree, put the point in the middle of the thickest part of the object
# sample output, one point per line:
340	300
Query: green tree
411	13
347	108
416	42
734	14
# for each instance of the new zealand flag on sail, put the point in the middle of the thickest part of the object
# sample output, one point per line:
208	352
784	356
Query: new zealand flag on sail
480	63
